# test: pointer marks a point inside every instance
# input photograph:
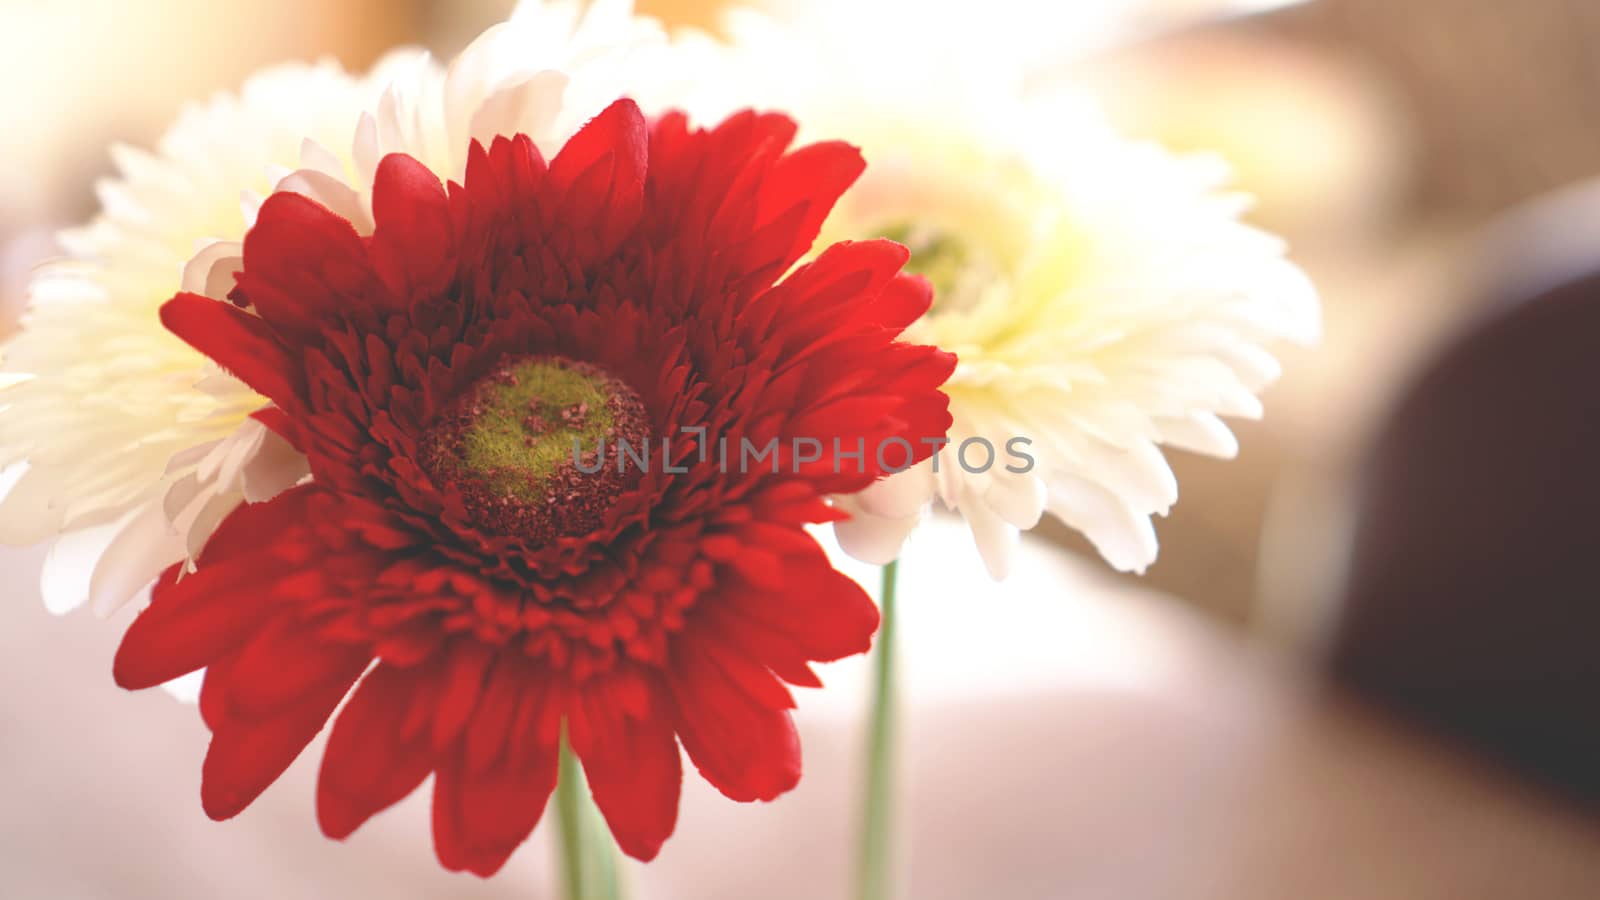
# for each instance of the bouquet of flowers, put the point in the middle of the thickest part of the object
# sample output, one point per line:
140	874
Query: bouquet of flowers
487	410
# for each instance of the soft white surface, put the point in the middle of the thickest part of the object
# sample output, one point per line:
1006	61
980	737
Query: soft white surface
1059	621
1066	737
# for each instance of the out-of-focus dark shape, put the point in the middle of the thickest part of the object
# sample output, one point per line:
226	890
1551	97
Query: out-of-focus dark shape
1473	596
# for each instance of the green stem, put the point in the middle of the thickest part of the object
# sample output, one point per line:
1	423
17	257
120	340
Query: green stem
588	856
876	852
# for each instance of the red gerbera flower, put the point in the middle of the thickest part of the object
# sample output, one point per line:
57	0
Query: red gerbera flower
437	375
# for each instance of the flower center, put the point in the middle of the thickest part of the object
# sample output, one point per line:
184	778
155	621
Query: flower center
522	446
958	270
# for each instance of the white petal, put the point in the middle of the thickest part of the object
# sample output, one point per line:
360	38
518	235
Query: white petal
180	498
190	456
136	164
250	207
1200	432
331	192
275	468
9	476
118	202
874	539
996	538
1299	307
206	520
250	436
144	547
391	120
219	469
466	81
528	106
210	271
317	157
899	495
1125	538
118	399
1252	364
1237	401
1018	499
368	148
1139	475
68	567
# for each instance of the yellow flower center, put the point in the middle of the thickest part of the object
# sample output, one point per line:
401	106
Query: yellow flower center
958	268
523	443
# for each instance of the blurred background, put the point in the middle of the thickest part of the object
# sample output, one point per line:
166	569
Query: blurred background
1282	706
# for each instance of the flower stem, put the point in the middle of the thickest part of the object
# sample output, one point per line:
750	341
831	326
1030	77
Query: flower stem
588	856
876	849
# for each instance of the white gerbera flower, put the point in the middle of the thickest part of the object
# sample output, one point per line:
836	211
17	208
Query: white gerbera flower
1103	296
127	446
116	436
548	69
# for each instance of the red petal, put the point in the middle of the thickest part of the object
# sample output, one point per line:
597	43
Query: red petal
706	190
461	682
239	342
213	694
502	182
752	676
262	527
370	764
281	664
776	650
195	619
746	750
599	175
247	755
834	296
303	265
280	423
631	763
412	244
482	814
812	177
489	733
904	300
832	324
822	611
